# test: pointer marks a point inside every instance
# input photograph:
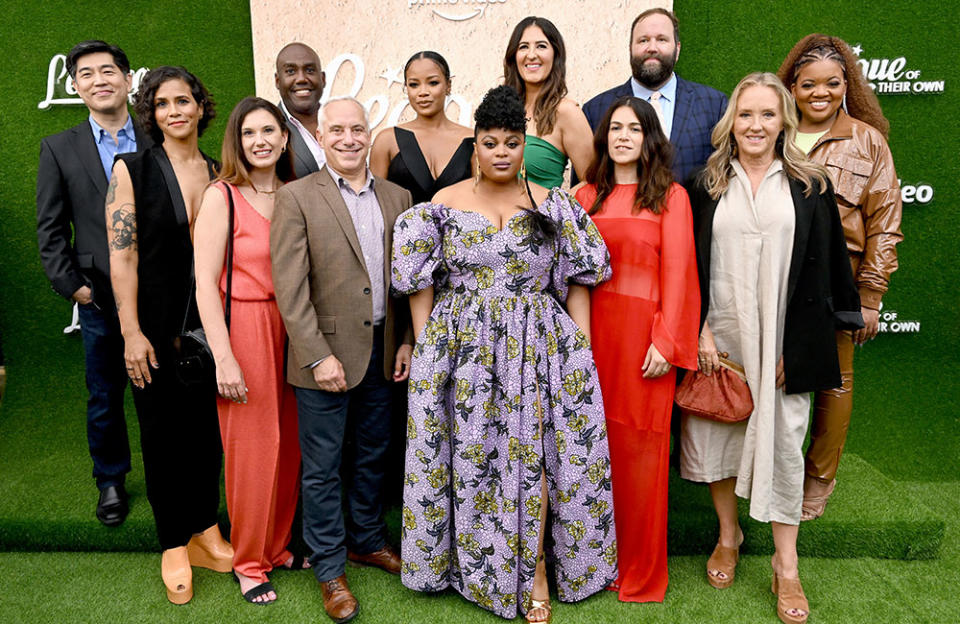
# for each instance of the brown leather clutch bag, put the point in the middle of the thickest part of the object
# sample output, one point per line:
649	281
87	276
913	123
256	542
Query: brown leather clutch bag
722	396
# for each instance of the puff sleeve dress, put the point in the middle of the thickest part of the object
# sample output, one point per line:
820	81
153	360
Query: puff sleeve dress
503	389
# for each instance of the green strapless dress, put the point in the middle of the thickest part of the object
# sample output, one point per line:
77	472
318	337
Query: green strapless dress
544	162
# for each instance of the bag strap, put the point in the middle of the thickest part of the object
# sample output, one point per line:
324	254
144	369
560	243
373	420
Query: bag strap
732	366
193	275
226	312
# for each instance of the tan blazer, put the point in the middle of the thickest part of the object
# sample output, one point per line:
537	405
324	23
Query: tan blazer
321	283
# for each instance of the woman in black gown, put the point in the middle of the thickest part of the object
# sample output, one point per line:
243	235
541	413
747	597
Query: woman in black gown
431	152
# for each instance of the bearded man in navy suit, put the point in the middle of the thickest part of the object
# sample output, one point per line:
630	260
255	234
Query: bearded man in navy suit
689	110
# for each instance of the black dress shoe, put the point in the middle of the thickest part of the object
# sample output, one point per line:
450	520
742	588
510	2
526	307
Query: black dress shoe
112	507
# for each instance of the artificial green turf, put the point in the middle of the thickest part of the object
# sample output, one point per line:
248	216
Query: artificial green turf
101	587
49	500
48	495
869	515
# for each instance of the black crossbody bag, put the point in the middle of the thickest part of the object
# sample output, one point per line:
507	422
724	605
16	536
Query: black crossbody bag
195	365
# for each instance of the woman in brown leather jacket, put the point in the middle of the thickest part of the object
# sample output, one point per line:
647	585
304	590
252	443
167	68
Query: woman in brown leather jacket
843	128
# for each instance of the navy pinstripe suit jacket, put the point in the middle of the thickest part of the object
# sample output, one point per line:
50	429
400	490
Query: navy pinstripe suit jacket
698	109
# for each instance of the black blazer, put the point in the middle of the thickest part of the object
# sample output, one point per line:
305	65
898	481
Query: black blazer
71	188
821	294
303	161
697	111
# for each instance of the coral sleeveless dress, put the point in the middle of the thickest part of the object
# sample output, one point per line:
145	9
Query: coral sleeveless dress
260	442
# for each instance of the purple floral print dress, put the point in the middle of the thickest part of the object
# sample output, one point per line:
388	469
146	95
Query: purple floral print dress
497	356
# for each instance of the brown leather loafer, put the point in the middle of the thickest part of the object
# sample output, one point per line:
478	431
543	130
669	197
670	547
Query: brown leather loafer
338	600
386	559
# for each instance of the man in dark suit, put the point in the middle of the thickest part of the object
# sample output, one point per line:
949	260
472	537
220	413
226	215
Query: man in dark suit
688	110
72	178
300	82
331	239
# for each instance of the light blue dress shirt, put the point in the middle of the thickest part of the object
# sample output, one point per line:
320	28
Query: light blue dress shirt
668	99
108	148
364	209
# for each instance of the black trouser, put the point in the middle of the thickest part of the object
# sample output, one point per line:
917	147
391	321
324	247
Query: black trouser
182	453
326	419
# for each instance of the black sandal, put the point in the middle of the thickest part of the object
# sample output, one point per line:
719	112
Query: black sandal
260	590
255	592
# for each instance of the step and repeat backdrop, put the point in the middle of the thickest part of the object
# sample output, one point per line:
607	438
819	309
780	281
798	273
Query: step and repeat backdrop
231	45
364	45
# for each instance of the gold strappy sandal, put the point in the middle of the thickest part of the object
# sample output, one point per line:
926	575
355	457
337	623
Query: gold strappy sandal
542	605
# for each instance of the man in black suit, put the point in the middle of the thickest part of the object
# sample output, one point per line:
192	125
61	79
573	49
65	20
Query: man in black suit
688	110
72	182
300	82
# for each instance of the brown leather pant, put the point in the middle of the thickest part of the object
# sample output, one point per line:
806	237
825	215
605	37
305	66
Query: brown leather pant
831	418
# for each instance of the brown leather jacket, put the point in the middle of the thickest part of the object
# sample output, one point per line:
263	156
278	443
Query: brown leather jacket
868	196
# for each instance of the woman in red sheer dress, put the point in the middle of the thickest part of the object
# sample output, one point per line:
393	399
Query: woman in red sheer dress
644	325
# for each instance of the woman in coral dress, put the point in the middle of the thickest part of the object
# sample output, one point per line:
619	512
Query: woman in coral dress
258	412
644	324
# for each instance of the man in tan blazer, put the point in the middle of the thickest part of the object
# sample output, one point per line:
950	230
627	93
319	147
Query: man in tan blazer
330	244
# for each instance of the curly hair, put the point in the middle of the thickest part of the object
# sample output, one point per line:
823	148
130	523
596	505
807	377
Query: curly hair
654	175
501	108
716	175
145	108
554	87
235	168
862	102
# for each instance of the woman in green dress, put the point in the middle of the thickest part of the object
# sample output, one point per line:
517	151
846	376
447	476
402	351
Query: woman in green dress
535	66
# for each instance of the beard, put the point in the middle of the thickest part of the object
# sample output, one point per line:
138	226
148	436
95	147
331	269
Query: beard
655	74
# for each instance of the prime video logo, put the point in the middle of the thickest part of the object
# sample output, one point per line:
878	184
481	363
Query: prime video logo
455	10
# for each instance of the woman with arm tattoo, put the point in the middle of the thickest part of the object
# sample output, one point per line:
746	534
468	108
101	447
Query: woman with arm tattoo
151	205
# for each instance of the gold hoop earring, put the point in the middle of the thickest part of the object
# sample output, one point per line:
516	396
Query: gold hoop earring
476	179
523	172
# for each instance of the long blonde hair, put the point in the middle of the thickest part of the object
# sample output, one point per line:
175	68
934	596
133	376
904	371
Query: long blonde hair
716	175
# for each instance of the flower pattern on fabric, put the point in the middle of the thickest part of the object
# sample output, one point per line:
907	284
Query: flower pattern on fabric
498	356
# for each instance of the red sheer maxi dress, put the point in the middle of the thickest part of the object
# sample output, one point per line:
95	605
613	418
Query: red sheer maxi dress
653	297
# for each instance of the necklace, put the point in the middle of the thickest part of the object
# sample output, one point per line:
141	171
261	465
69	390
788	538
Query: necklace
264	192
